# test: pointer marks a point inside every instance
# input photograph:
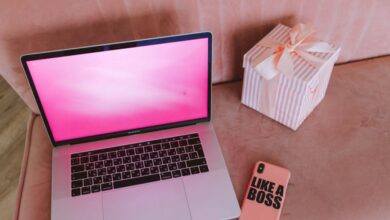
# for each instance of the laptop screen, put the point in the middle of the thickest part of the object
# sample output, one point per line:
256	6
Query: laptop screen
126	89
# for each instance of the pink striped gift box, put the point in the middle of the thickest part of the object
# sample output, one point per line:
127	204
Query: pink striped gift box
287	99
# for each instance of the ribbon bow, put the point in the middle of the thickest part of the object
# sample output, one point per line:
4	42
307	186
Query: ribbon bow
278	58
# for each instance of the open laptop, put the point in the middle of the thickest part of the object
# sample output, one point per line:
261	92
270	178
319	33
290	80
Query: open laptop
130	126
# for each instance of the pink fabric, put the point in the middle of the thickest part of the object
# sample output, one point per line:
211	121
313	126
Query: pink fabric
359	27
97	93
24	165
33	195
338	159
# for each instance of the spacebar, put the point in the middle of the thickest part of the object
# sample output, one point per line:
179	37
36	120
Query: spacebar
136	181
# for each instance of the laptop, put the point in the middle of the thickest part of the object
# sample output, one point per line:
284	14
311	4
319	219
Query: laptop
131	127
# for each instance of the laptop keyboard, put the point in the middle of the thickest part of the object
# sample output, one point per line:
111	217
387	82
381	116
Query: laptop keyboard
138	163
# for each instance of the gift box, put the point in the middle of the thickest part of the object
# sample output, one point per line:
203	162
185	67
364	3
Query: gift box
287	73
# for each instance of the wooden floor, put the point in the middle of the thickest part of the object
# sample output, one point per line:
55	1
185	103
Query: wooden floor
13	123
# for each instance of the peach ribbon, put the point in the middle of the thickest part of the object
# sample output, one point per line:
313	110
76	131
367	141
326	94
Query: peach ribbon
278	57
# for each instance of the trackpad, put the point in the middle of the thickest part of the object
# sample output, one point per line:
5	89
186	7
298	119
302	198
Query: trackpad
162	200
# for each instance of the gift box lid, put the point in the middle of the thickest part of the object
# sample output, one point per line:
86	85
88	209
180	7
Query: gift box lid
303	69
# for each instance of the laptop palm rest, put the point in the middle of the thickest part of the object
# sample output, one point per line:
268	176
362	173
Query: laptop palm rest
161	200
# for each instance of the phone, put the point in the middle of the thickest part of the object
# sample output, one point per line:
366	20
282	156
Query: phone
266	192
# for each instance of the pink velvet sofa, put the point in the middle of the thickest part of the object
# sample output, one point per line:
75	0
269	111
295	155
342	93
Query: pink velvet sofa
339	157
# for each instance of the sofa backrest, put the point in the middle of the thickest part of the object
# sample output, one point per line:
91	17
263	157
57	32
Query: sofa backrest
360	27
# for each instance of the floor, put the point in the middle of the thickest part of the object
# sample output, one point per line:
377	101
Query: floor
13	122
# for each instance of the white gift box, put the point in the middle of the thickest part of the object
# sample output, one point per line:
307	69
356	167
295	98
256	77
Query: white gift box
290	93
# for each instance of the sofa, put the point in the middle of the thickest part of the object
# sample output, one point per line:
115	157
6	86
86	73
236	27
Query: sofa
338	158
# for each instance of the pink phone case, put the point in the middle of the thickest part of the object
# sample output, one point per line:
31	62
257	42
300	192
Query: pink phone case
266	192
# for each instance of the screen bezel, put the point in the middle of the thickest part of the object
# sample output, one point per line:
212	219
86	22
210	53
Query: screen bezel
115	46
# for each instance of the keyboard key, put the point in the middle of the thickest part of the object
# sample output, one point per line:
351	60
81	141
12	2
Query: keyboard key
77	168
172	166
120	168
156	147
171	152
111	170
180	150
92	173
136	181
166	175
95	188
108	163
88	182
79	155
163	153
175	158
157	162
121	153
194	170
102	171
106	186
76	192
118	161
135	158
204	168
148	149
153	155
112	155
77	184
139	165
126	159
99	164
126	175
182	165
97	180
189	149
89	166
103	156
193	141
139	150
154	170
174	144
79	175
199	150
185	172
85	190
84	160
166	160
130	152
184	157
196	162
145	171
148	163
135	173
75	161
163	168
130	166
176	173
183	143
116	176
166	146
145	156
193	155
94	158
107	178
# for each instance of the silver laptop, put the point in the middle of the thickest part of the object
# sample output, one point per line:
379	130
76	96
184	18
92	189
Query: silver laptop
130	125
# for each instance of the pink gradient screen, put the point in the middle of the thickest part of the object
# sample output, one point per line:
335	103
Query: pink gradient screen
124	89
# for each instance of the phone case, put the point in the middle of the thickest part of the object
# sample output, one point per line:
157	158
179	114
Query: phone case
266	192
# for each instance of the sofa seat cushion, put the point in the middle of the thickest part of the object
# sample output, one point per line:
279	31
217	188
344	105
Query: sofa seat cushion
338	158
